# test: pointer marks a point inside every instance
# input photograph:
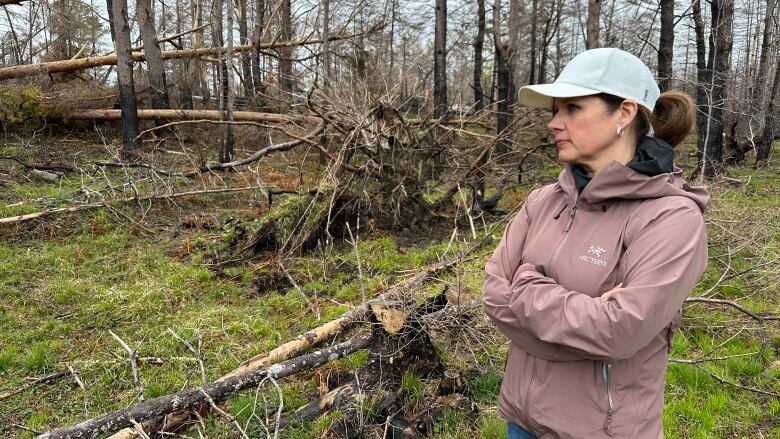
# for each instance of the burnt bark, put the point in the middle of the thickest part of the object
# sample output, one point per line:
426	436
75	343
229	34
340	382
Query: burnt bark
479	42
719	66
504	83
534	20
702	79
766	104
243	33
286	55
592	24
124	73
154	60
440	60
192	398
769	133
257	33
666	45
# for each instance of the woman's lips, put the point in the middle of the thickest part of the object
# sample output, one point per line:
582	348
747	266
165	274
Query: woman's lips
560	142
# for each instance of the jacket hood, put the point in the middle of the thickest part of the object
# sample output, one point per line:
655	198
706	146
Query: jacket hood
650	174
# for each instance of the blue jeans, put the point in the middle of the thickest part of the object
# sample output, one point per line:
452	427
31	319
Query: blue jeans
514	431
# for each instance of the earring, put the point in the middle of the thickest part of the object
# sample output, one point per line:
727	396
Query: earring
620	131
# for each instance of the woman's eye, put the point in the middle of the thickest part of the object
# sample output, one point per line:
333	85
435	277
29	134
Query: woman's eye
572	108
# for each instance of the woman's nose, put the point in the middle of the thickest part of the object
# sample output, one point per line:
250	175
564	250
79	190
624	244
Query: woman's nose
555	123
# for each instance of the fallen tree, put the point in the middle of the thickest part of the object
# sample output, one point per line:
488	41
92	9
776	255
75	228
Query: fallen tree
191	115
381	307
193	398
71	65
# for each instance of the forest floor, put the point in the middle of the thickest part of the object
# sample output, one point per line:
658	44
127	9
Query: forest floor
140	268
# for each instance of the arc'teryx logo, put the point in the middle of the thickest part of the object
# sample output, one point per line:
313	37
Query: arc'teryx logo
598	252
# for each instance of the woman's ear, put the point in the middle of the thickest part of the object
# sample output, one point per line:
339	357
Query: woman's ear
627	112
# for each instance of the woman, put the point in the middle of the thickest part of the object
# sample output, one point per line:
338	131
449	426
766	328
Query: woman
589	278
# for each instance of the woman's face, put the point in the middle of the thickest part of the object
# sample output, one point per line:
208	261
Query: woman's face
586	131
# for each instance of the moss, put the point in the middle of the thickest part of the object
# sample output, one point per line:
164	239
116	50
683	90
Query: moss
23	106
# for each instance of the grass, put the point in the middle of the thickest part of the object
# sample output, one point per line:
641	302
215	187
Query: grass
65	284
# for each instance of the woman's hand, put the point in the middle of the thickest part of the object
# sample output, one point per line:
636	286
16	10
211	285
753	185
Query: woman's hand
611	292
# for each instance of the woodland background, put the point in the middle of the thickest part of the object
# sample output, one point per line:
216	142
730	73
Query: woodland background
189	187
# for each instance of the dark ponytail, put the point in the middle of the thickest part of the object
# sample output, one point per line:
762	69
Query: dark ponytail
672	119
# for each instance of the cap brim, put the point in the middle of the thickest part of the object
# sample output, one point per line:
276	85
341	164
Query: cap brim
542	95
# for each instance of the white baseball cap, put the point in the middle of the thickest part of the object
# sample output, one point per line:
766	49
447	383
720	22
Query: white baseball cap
604	70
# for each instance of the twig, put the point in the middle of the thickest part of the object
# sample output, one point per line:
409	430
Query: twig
280	409
133	364
35	382
197	353
59	210
731	383
353	241
760	318
227	415
309	304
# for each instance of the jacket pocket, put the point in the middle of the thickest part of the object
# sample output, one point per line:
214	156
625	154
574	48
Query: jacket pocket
606	369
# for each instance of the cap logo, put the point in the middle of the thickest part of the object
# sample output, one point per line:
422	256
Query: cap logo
644	98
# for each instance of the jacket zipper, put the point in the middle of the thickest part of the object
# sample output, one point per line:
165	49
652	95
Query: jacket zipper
605	370
557	251
528	395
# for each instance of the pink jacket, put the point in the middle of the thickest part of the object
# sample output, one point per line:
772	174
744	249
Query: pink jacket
579	366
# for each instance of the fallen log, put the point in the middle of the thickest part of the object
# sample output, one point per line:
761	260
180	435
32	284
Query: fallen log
168	114
70	65
58	210
328	330
193	398
334	399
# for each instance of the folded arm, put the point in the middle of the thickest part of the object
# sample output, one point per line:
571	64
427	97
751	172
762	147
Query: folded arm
664	262
498	291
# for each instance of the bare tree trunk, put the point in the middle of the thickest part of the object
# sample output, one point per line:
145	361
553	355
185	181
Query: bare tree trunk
257	34
594	15
702	79
243	32
124	73
479	41
555	14
184	78
503	80
325	5
440	60
285	61
721	42
196	65
534	20
666	45
766	100
230	139
154	60
768	134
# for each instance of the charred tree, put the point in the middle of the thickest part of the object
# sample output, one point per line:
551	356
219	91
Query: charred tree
124	73
154	60
534	19
504	83
286	54
257	33
592	24
666	45
243	34
718	66
769	133
479	42
702	79
766	104
440	60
